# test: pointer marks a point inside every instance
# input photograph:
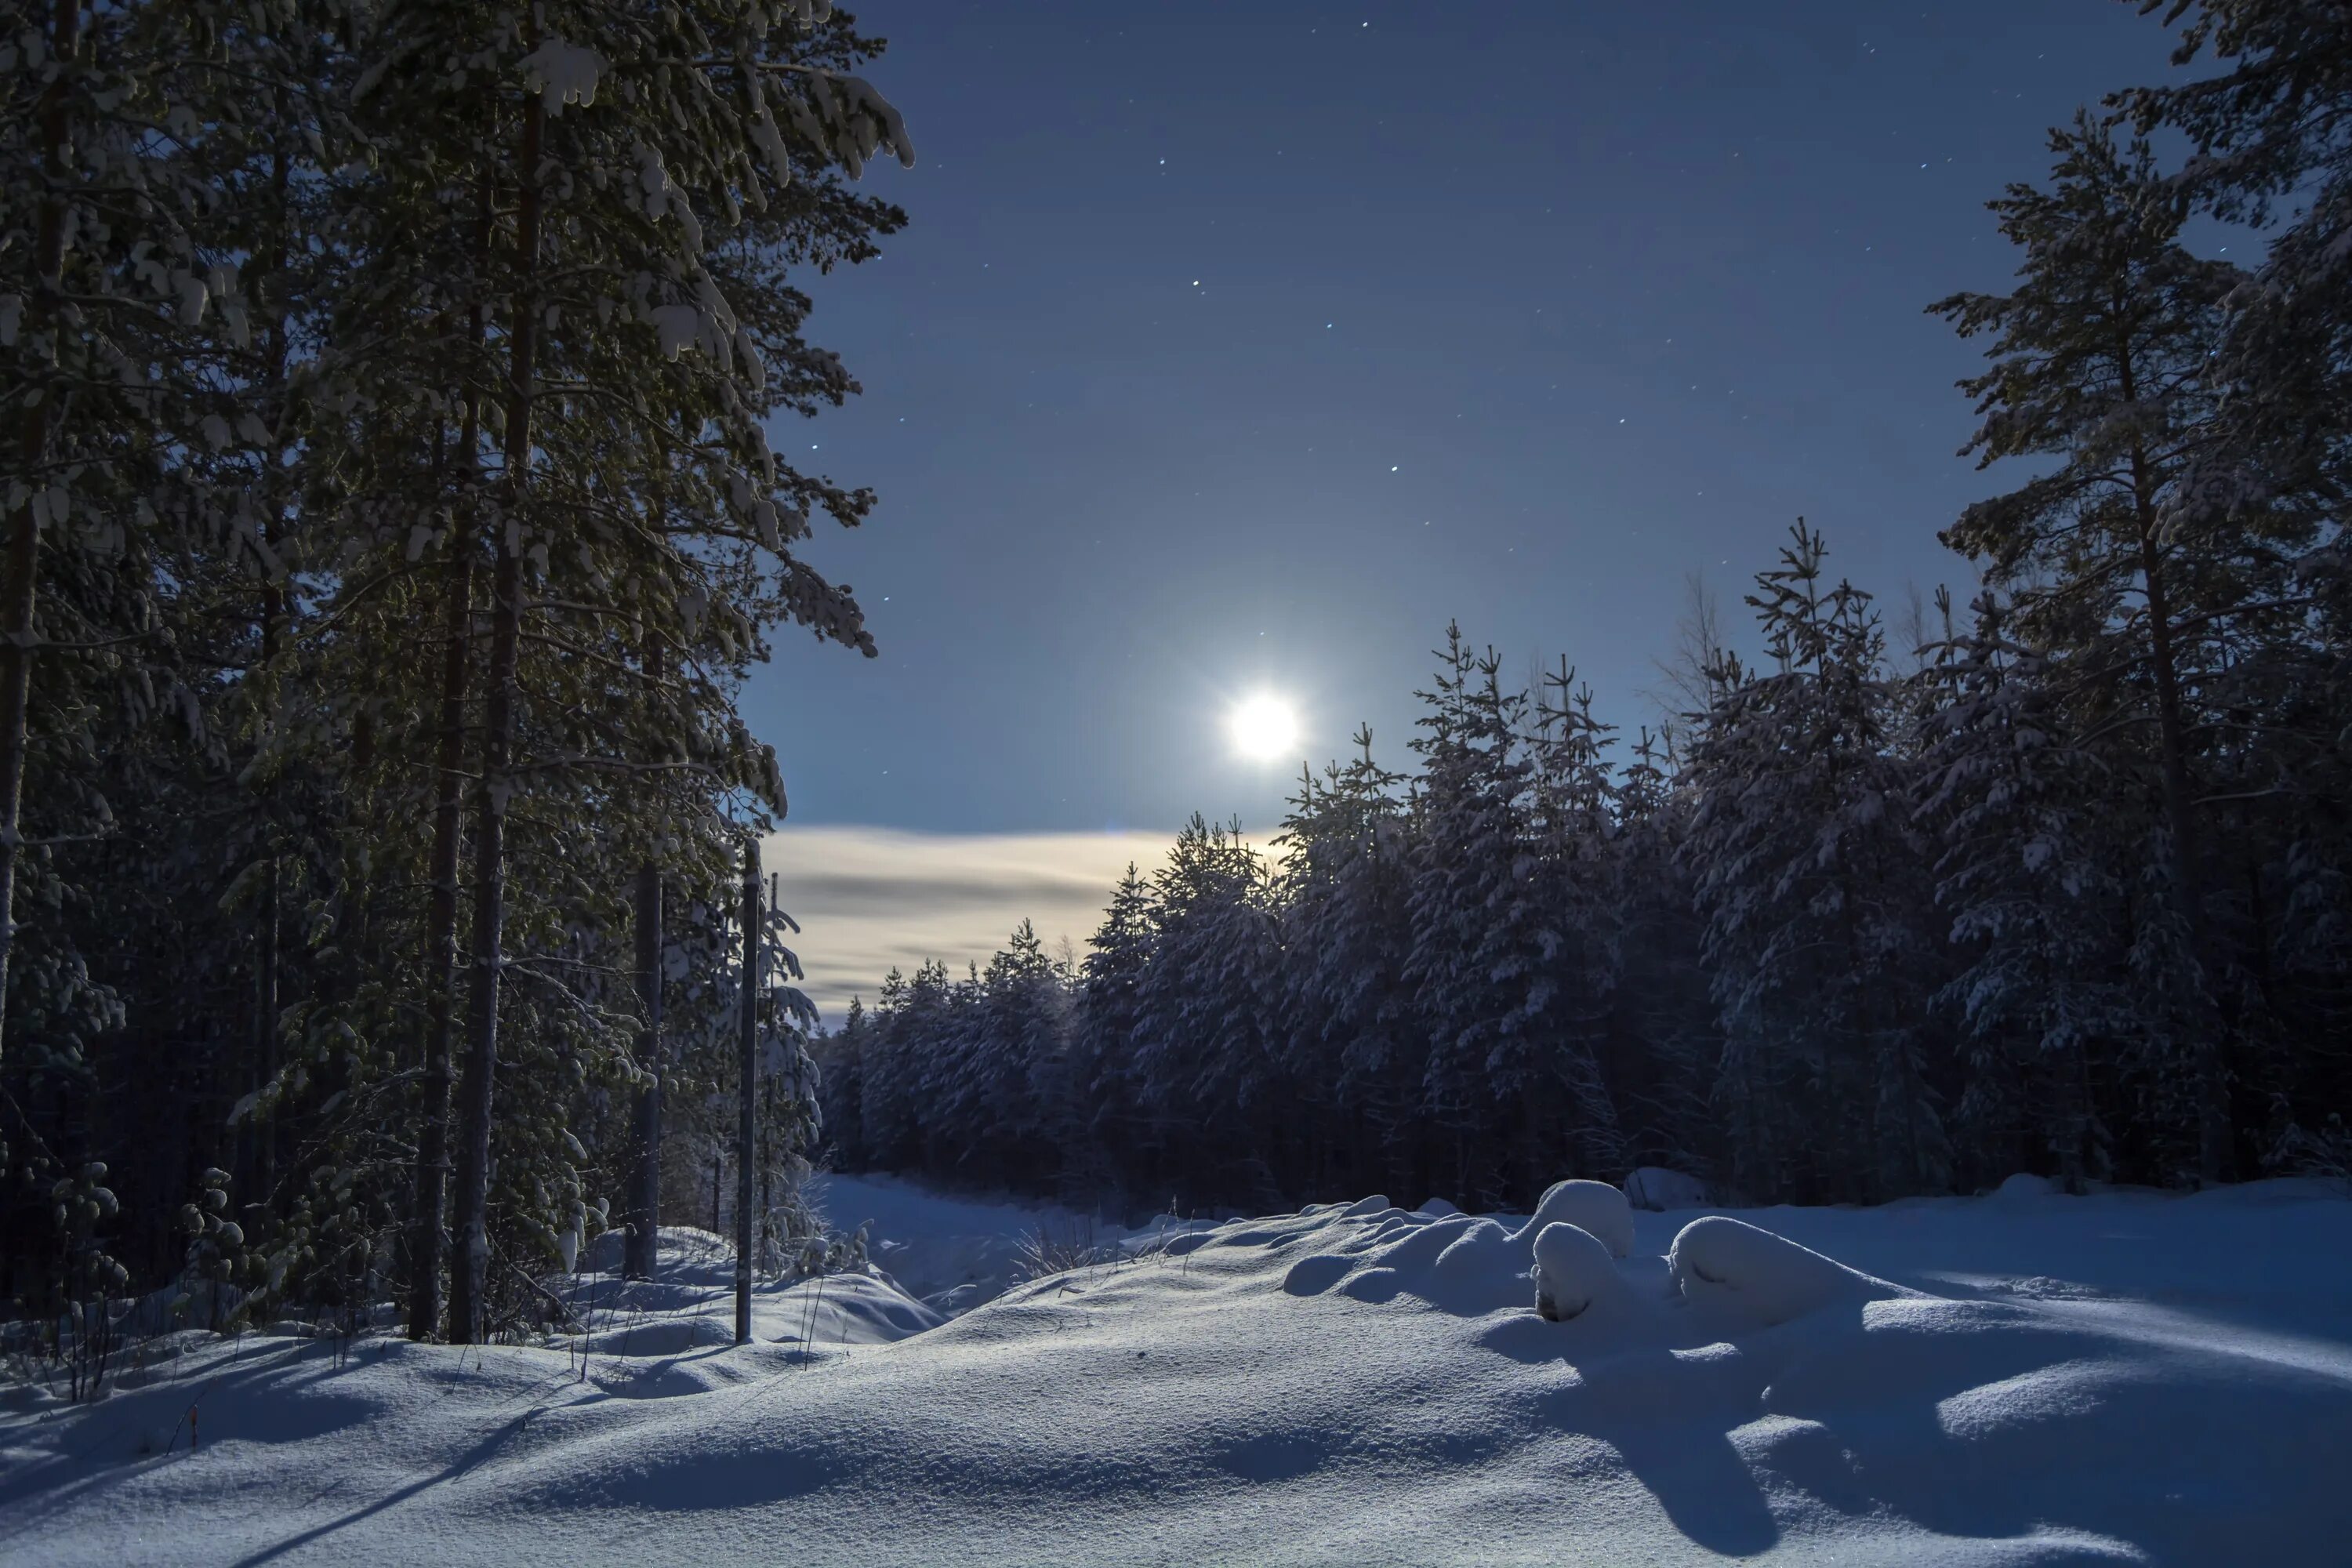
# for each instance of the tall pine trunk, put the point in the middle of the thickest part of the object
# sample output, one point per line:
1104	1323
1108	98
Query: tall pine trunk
20	590
470	1220
641	1253
2207	1060
429	1247
263	1128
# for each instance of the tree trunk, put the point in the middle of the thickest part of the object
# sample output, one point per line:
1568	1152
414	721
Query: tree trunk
470	1221
475	1088
430	1244
264	1033
271	622
2213	1160
747	1123
429	1252
20	590
642	1252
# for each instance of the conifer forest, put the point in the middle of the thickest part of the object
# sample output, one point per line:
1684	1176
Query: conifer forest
395	513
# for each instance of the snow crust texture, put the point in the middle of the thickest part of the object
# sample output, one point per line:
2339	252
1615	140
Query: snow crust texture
2027	1378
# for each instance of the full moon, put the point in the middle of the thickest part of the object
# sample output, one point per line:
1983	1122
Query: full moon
1264	729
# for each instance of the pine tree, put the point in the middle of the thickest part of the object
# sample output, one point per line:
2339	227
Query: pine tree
2267	127
2270	151
646	193
113	312
2125	564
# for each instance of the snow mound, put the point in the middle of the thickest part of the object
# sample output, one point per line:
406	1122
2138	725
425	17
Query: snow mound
2024	1187
1575	1273
1749	1275
1596	1208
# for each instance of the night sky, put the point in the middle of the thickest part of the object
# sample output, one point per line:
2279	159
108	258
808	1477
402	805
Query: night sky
1238	347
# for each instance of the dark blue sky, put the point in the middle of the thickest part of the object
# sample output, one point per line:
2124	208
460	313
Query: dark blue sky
1238	347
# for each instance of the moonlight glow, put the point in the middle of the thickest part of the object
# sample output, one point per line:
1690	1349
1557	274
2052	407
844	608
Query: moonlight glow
1264	729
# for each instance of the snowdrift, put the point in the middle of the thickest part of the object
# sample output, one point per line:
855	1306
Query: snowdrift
2029	1378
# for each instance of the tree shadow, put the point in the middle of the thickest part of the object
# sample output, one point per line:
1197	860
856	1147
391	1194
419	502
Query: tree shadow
100	1447
471	1457
1669	1417
1965	1420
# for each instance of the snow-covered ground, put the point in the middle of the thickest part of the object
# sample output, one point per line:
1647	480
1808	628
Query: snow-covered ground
2022	1378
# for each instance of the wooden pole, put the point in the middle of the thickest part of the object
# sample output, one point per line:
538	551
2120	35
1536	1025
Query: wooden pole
747	1130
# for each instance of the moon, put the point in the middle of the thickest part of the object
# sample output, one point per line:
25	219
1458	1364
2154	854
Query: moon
1263	728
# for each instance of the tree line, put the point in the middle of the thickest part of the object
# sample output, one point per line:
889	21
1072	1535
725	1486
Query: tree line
2057	882
391	522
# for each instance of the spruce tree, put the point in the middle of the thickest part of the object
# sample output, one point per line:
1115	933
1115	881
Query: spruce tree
1345	882
1483	937
2032	896
1805	865
1105	1016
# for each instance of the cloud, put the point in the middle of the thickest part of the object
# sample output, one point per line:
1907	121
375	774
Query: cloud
868	899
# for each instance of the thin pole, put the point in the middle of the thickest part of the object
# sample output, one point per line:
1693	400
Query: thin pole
747	1130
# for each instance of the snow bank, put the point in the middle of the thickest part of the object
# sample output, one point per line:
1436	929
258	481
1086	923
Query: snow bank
2126	1378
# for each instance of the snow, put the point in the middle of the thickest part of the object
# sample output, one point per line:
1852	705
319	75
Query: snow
956	1252
563	73
1595	1207
2024	1187
1574	1273
1740	1275
2027	1377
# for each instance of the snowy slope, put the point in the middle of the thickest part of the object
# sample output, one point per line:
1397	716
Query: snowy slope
2019	1379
